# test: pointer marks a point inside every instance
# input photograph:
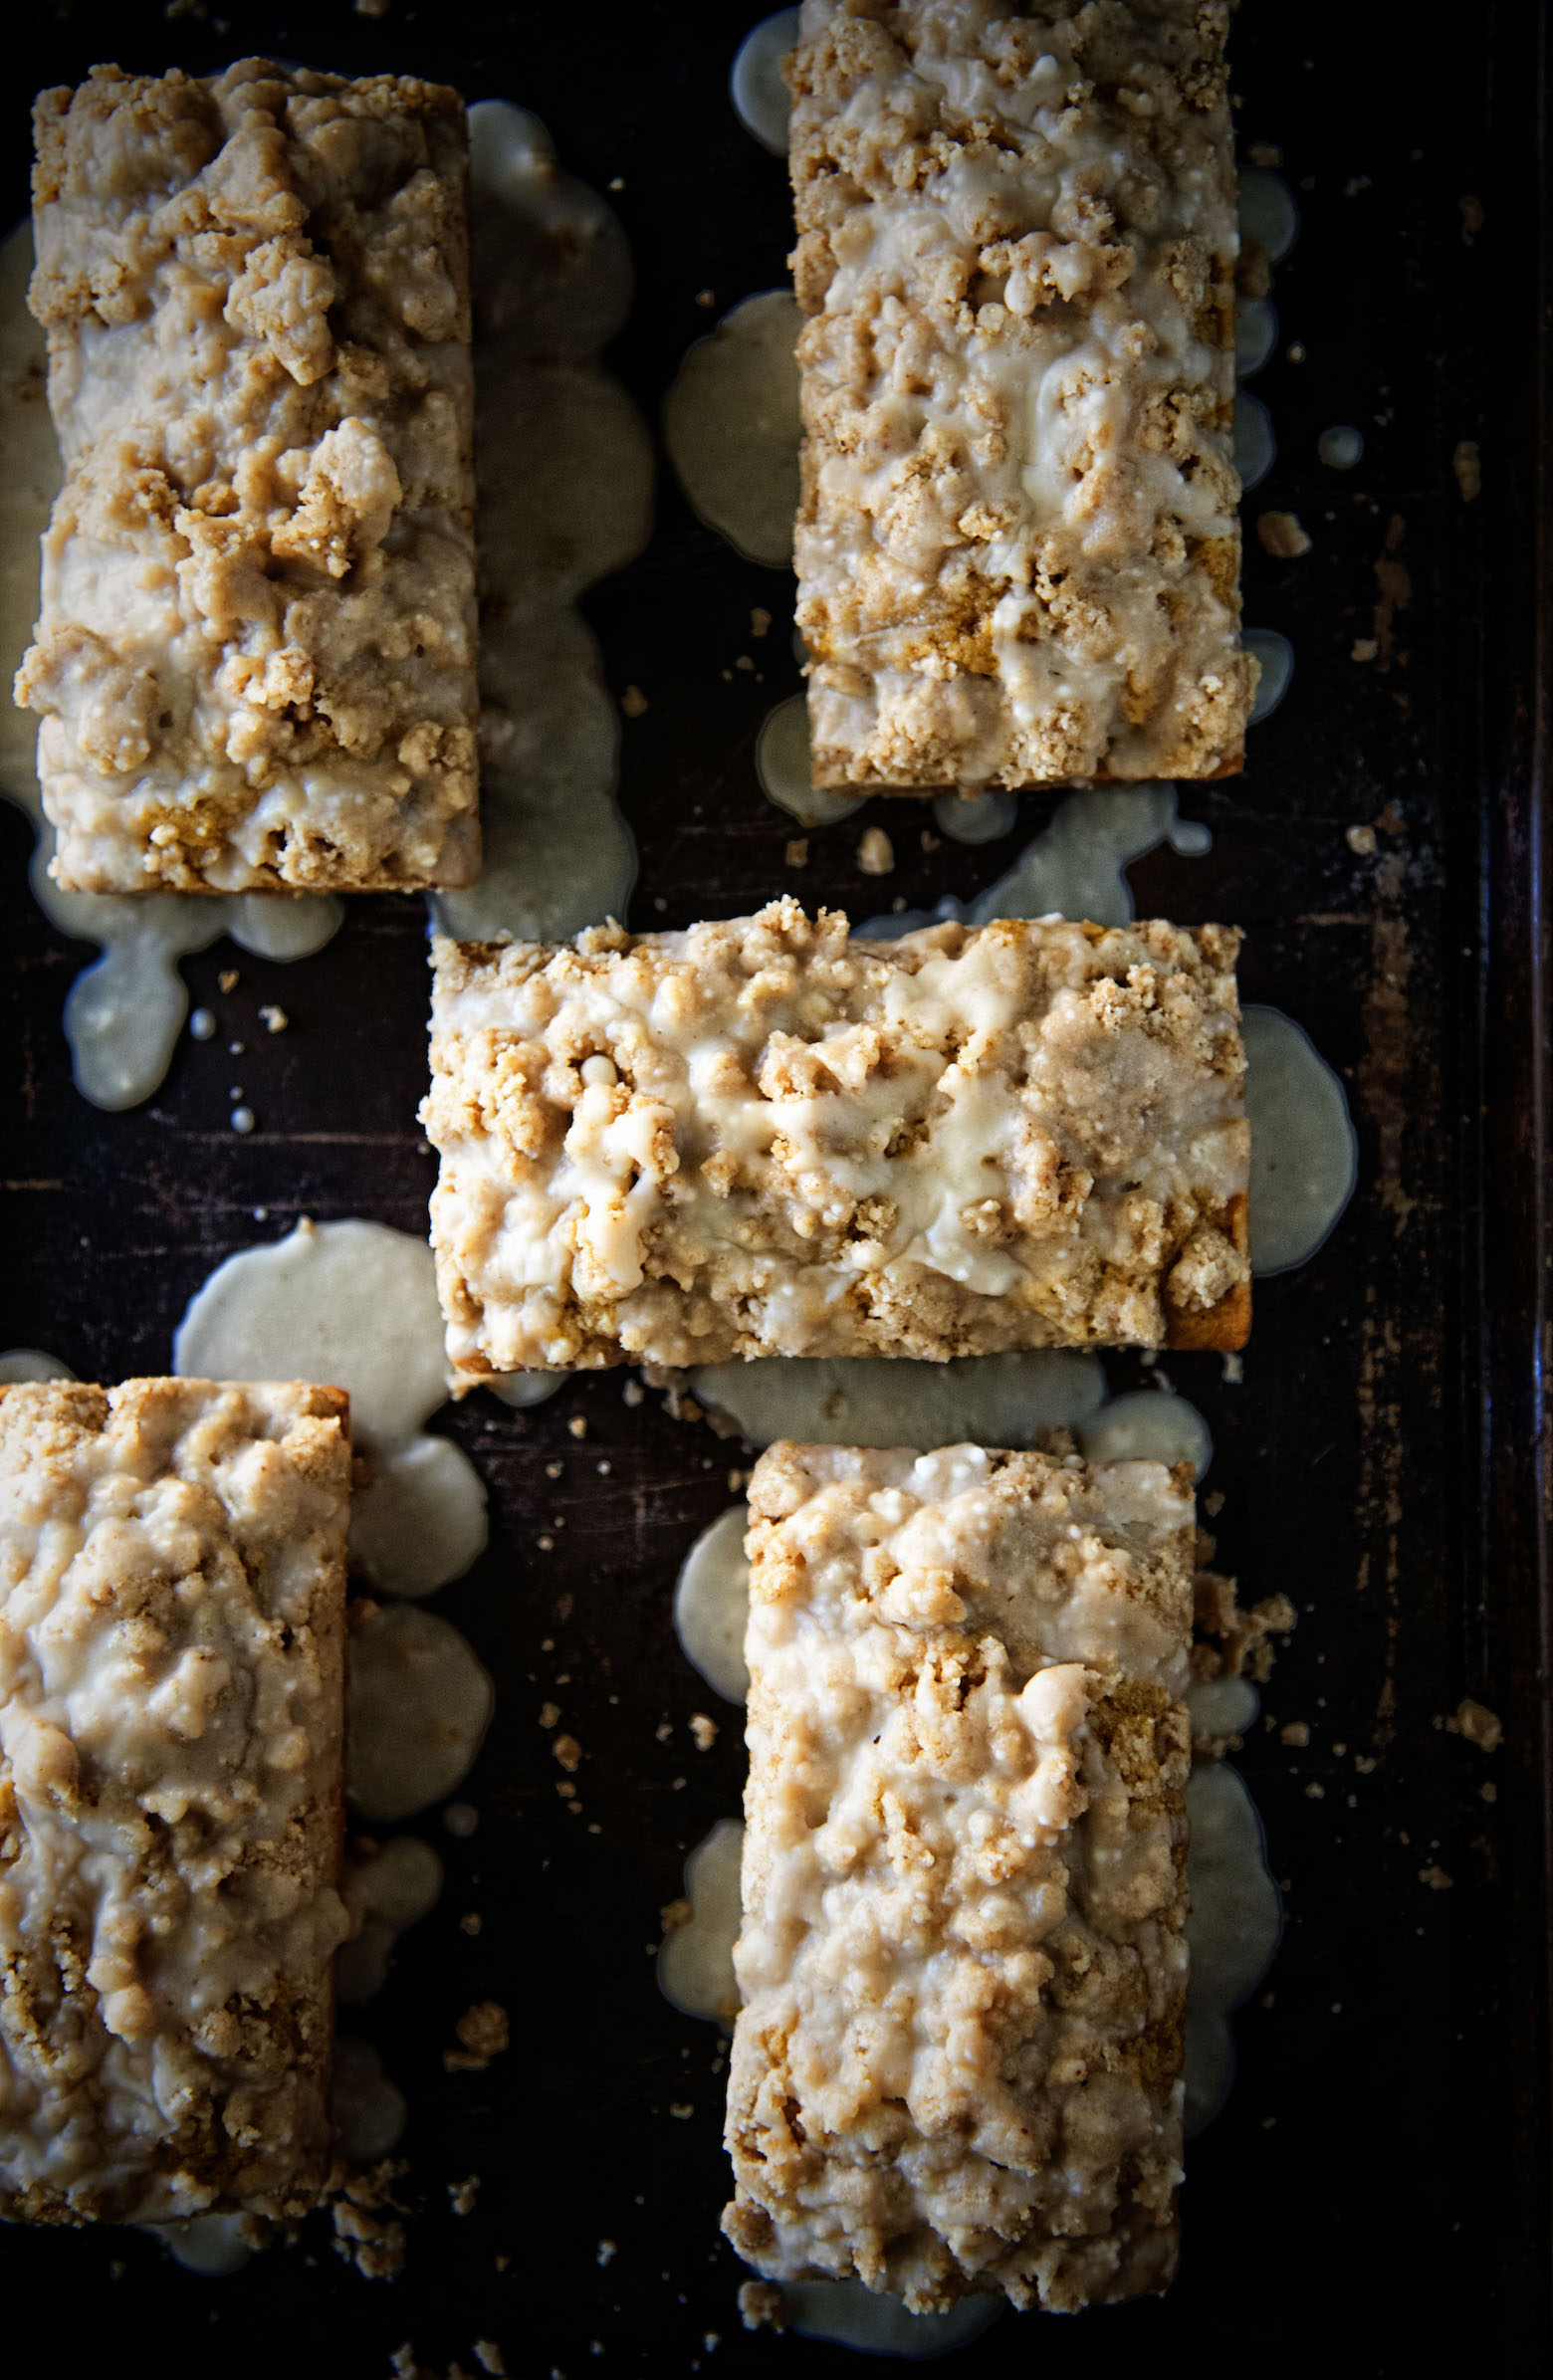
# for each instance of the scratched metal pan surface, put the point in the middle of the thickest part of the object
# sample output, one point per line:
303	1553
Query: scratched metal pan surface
1380	2177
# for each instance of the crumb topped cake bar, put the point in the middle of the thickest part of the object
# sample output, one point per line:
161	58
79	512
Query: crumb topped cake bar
172	1583
772	1137
255	664
1018	546
958	2063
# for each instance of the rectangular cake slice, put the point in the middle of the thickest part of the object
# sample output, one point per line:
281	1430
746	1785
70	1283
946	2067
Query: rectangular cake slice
772	1137
172	1585
958	2064
1018	546
255	663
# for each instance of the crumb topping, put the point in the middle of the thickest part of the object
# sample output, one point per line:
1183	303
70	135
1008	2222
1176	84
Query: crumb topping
958	2062
1018	546
255	660
172	1568
768	1136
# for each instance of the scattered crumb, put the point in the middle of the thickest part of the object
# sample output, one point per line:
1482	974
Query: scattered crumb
682	2109
929	842
876	853
1478	1724
567	1791
663	1730
1214	1504
759	621
578	1425
365	2235
1488	1791
1360	840
632	1392
275	1019
487	2353
471	1922
1296	1733
549	1712
1435	1878
227	978
1363	648
706	297
1243	1635
606	2249
568	1752
1467	464
546	1544
1263	153
1355	183
373	8
1315	1792
798	853
552	1470
1364	1763
675	1913
1295	350
744	662
1281	535
704	1730
483	2030
761	2307
1232	1370
633	702
738	1481
1472	219
463	2193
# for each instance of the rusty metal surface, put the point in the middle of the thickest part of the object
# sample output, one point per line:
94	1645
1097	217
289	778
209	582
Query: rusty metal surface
1381	2175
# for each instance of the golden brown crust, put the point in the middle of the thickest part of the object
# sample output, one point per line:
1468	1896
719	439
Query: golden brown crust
958	2063
768	1136
255	659
1018	546
171	1714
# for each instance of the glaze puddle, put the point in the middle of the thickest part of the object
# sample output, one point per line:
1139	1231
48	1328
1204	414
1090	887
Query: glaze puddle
1304	1149
566	496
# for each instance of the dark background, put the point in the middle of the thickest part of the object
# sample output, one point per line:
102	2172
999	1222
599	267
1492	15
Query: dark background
1375	2196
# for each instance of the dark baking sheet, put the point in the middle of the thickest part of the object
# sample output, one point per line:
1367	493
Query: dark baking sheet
1376	2195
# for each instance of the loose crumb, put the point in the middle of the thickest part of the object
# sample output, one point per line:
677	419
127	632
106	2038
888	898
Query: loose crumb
760	620
606	2249
483	2031
471	1922
1263	153
578	1425
373	8
761	2307
568	1752
488	2357
675	1913
704	1730
275	1019
1435	1878
463	2193
549	1712
798	853
682	2109
1478	1724
1296	1733
1363	648
1280	534
1360	840
632	1392
706	297
876	853
227	978
365	2235
1243	1635
633	702
1467	464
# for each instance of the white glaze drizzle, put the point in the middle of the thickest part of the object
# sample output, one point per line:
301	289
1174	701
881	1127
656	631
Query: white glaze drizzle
730	424
756	88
